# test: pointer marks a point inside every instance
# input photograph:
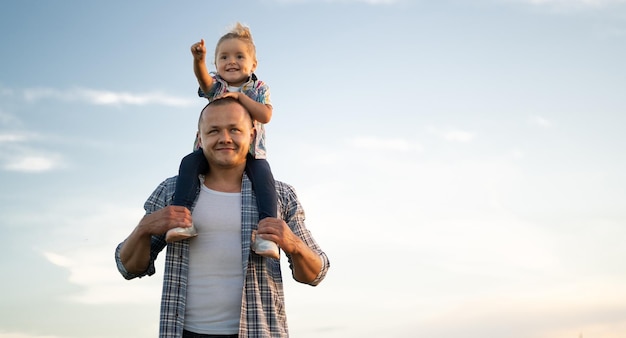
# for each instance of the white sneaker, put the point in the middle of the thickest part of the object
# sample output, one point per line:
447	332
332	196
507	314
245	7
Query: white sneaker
177	234
265	248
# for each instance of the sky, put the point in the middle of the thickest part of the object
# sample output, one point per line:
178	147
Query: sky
460	162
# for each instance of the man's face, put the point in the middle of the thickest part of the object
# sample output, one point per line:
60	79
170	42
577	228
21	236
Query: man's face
225	134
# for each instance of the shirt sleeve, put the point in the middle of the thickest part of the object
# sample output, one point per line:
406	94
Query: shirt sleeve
213	91
264	93
293	215
158	199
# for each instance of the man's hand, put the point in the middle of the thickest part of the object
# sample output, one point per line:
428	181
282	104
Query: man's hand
135	251
306	264
277	231
198	50
160	221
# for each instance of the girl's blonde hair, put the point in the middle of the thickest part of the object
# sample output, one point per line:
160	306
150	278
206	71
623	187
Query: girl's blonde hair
242	33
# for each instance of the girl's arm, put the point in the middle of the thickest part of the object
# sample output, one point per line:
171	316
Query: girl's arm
259	111
198	50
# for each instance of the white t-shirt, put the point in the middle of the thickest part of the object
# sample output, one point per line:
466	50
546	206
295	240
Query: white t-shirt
215	284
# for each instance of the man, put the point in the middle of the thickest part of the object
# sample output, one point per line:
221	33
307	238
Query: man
214	285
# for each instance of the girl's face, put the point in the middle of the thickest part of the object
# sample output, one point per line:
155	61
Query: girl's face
234	62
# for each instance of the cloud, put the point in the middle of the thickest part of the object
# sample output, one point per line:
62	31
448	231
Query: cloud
85	249
482	246
57	259
574	4
453	134
381	144
458	136
33	163
22	335
105	97
369	2
94	271
540	122
14	156
374	2
578	2
572	308
13	137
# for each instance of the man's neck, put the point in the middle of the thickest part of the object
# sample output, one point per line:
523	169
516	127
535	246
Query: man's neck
224	180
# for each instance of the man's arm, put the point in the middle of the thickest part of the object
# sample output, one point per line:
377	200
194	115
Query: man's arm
306	264
309	264
135	251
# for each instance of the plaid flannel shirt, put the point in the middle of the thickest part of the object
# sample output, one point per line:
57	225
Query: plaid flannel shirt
262	305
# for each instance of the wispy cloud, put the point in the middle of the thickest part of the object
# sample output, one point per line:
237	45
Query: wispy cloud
88	260
106	97
579	2
458	136
540	122
453	134
370	2
33	163
16	157
92	270
22	335
12	137
392	144
574	4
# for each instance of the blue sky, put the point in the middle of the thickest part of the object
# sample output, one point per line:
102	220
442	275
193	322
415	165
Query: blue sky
461	162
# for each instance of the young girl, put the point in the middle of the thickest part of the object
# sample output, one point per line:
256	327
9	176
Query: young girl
235	61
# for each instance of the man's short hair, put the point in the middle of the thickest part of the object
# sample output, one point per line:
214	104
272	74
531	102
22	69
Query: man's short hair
221	102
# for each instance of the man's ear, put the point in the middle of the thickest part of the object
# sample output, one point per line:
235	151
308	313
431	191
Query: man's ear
198	139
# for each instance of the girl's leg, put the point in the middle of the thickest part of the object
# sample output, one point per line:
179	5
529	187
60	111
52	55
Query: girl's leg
187	183
260	175
265	189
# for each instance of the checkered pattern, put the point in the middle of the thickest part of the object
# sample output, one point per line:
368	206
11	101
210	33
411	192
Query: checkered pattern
262	305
